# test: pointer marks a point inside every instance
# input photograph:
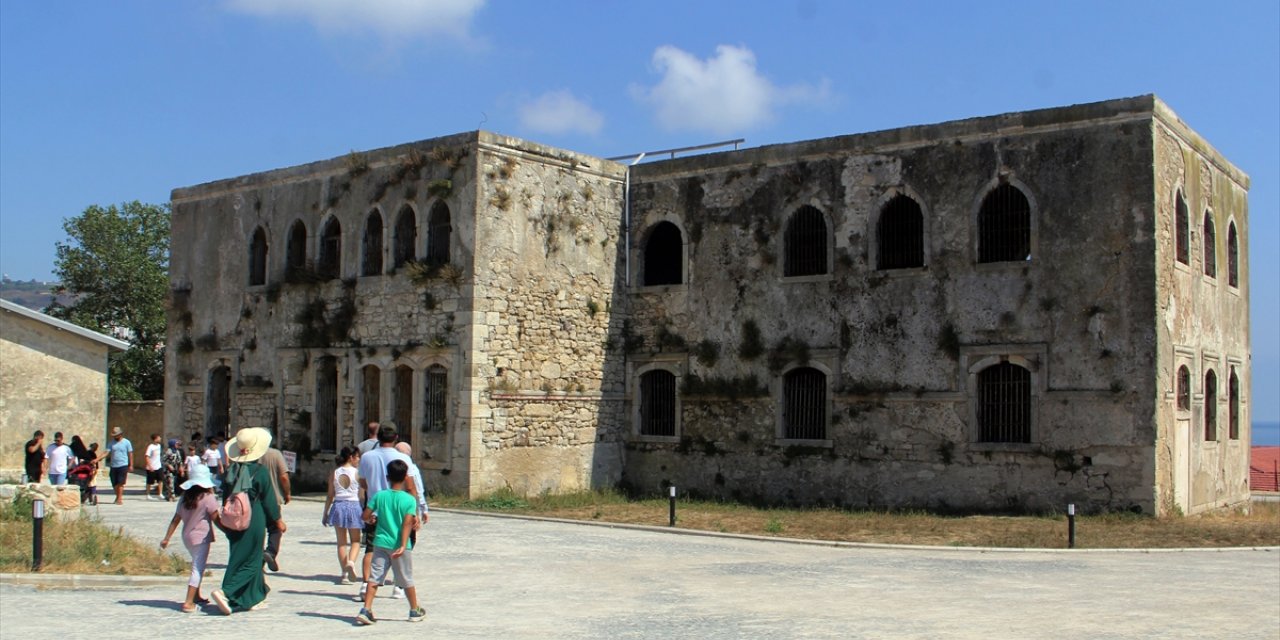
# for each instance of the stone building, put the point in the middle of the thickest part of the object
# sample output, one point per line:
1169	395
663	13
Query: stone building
53	377
1005	313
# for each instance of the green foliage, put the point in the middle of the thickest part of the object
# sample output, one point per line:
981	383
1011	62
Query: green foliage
747	386
788	350
439	188
707	352
752	345
631	341
116	263
357	163
669	340
502	500
774	526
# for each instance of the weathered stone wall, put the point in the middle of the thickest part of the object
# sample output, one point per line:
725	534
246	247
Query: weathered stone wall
50	380
139	420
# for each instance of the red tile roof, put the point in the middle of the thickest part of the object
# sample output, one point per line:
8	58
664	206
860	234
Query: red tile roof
1264	469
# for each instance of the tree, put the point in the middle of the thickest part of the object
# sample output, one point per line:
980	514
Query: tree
116	265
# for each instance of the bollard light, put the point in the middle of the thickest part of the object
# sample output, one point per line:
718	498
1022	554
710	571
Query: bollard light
1071	526
673	505
37	534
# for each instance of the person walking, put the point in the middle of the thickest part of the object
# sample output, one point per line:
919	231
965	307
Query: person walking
198	512
273	460
243	584
371	440
56	459
174	471
155	477
33	464
342	511
392	513
373	478
119	461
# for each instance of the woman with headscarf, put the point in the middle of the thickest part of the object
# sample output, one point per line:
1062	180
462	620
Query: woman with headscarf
243	586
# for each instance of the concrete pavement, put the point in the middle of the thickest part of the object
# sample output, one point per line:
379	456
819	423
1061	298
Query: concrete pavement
484	577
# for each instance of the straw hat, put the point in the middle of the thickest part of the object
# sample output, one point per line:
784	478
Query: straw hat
250	444
200	477
116	431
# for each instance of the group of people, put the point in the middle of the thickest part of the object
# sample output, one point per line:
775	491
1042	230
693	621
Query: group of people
375	490
77	463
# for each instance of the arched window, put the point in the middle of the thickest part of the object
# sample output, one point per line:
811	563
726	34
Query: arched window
1210	247
435	400
330	265
1233	406
438	229
296	250
1233	256
804	404
1210	406
900	234
1004	226
1004	403
402	401
1184	388
371	264
218	420
806	243
1182	229
664	255
658	403
258	258
370	394
326	416
404	248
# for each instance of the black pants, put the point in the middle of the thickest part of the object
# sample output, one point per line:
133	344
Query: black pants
273	539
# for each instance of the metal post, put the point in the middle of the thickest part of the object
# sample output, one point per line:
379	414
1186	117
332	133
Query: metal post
673	505
1071	526
37	534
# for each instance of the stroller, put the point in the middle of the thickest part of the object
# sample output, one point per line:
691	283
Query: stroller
80	475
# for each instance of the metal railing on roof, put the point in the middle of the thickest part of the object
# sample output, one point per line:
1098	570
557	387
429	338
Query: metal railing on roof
673	152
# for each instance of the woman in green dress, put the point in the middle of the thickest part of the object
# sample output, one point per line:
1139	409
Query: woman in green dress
243	586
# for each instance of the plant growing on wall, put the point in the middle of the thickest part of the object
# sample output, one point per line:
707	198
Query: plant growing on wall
707	352
357	163
752	345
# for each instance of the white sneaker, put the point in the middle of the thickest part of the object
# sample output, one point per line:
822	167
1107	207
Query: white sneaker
364	586
397	593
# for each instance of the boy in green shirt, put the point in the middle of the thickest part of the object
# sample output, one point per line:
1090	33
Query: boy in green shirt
395	514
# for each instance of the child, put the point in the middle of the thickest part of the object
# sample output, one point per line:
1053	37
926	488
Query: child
213	459
155	472
394	511
173	469
198	512
192	461
342	512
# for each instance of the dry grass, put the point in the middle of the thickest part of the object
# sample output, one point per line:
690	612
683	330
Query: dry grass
84	546
1261	527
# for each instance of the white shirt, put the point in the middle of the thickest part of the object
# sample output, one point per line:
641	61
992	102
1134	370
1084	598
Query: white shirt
193	460
211	459
58	455
153	456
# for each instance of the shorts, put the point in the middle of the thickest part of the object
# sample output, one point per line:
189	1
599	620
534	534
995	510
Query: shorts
346	515
401	567
154	477
370	530
119	475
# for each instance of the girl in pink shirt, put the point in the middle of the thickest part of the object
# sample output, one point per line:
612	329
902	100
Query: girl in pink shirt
198	513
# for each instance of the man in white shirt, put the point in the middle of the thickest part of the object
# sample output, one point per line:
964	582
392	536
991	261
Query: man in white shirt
154	476
55	460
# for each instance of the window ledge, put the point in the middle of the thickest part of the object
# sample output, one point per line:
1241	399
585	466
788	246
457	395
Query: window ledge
655	289
799	442
1004	265
657	439
821	277
1012	447
903	272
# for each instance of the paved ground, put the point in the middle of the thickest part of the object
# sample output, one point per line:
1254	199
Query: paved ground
487	577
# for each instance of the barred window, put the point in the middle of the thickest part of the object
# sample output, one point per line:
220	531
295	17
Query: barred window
1210	406
900	235
326	415
664	255
1004	226
1233	406
330	266
406	242
296	251
371	265
438	230
402	401
1184	388
806	243
658	403
258	258
804	404
1004	404
1233	256
1182	229
218	414
370	394
1210	247
435	400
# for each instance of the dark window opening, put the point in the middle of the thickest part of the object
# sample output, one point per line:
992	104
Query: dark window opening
804	404
438	229
664	255
1182	229
658	404
1210	406
1004	226
435	398
806	243
402	401
406	241
1004	404
371	265
900	235
296	252
330	265
1184	389
326	416
258	258
370	394
1233	256
1210	247
1233	406
219	398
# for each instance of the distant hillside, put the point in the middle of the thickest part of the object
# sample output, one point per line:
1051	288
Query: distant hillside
31	294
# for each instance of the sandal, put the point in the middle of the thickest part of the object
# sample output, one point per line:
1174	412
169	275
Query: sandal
201	600
190	609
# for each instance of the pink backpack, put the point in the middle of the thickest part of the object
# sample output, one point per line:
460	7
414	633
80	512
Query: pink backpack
237	510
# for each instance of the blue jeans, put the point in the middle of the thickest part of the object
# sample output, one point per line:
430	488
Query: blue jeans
56	479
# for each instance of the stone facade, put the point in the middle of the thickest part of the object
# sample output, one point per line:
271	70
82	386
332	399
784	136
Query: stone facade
53	377
753	324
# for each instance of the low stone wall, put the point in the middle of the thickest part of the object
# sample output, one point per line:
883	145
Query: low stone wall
60	502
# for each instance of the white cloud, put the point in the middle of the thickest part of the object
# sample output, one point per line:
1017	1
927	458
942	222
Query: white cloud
723	94
396	19
560	112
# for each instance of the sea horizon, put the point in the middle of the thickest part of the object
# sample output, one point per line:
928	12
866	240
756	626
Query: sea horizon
1265	434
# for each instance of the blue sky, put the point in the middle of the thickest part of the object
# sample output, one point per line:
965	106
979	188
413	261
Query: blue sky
102	102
